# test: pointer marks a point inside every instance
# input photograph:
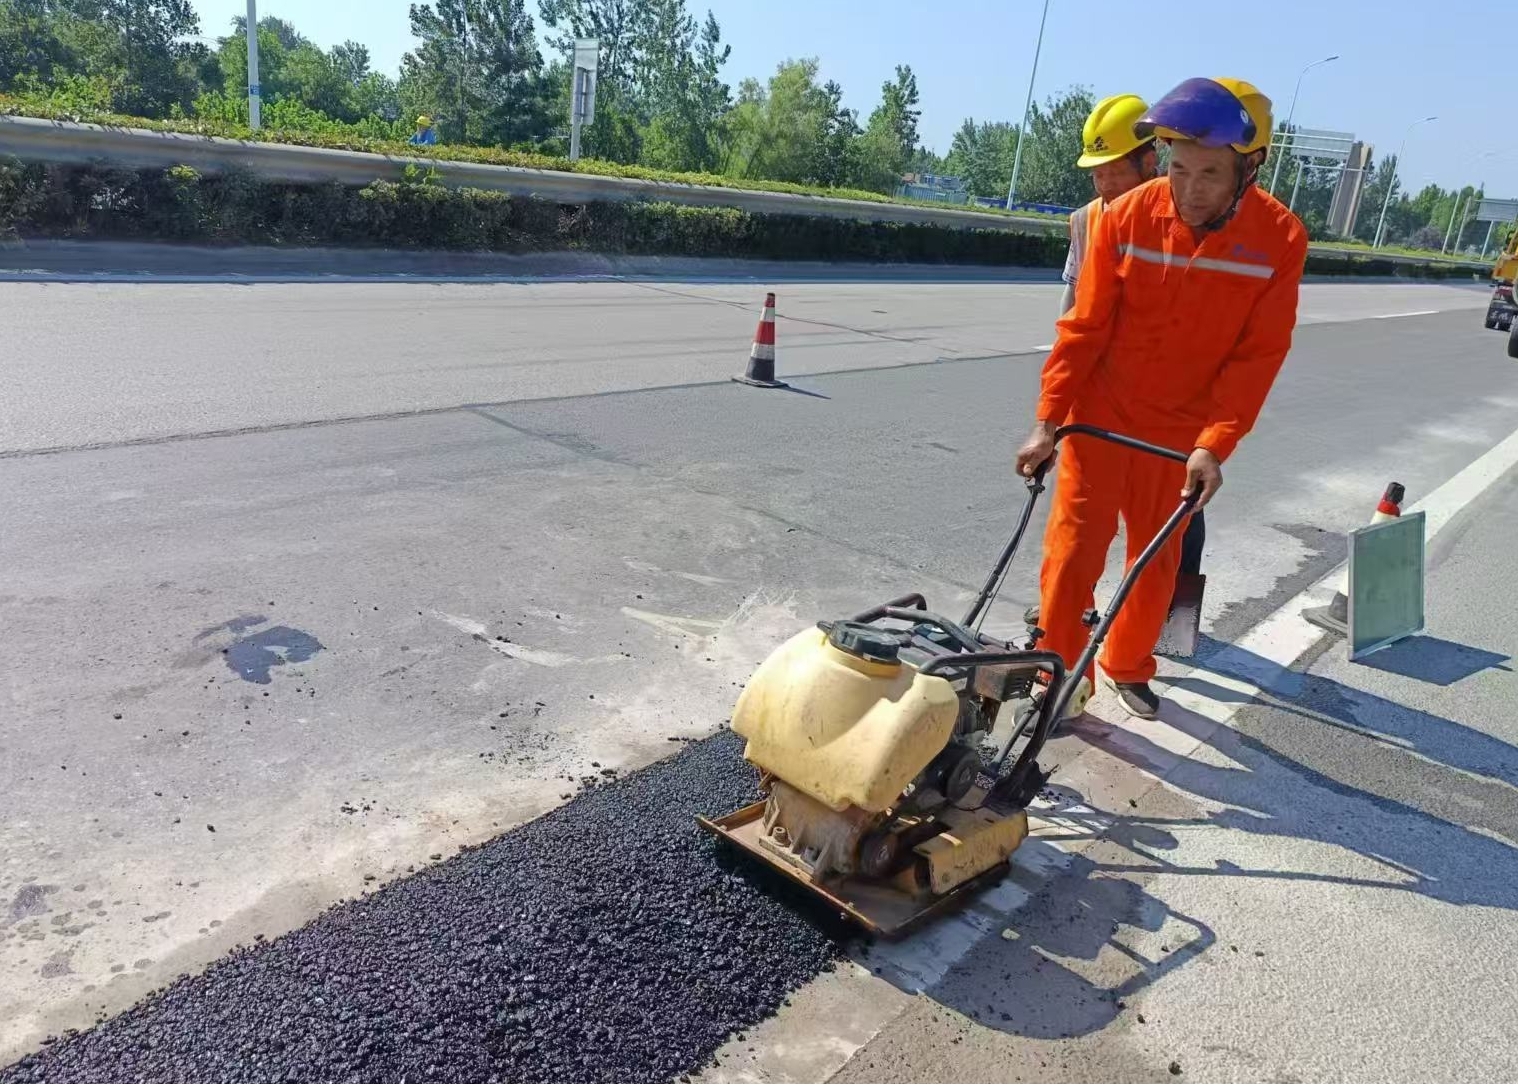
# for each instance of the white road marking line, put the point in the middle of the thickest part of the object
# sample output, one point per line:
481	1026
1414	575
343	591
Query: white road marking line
1415	312
1265	654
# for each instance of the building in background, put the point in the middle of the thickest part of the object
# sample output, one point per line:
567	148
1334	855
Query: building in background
932	186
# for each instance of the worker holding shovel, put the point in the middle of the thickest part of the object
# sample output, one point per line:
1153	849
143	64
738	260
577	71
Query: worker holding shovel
1184	311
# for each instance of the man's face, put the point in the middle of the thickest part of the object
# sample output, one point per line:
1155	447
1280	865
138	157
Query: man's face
1203	180
1112	179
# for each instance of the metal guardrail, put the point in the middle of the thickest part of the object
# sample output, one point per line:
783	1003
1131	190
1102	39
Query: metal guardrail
73	143
68	142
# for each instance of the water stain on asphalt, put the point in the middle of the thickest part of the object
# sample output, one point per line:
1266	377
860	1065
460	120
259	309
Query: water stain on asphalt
253	657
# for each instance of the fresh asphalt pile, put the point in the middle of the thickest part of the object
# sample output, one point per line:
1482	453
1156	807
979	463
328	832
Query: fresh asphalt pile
610	940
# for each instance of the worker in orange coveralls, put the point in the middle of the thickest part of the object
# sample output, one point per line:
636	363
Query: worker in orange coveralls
1184	312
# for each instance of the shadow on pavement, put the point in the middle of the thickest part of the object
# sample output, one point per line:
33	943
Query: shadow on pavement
1430	659
1070	962
1334	704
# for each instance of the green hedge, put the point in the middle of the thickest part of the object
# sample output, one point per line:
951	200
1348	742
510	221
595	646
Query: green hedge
180	204
1349	264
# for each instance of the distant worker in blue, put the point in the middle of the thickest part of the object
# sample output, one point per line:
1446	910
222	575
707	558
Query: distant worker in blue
425	135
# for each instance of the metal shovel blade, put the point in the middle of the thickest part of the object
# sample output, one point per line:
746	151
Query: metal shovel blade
1184	623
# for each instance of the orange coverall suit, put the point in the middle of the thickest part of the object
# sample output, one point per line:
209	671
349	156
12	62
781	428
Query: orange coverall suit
1177	344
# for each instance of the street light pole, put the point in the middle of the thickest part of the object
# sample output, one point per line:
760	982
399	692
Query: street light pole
1450	230
1022	130
253	88
1465	214
1392	182
1291	115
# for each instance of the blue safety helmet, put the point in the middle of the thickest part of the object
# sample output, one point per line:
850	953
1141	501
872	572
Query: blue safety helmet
1210	112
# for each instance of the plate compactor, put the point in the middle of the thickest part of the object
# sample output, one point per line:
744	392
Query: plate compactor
898	750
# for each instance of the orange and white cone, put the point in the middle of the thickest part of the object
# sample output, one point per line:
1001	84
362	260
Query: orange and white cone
761	356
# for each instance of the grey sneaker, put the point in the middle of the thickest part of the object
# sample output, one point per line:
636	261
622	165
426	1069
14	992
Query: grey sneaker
1137	698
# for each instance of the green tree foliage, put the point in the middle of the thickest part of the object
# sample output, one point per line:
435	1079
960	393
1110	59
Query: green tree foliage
137	51
890	137
1049	173
477	71
982	155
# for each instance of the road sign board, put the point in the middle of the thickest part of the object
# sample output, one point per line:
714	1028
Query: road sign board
1497	211
587	59
1385	583
1320	144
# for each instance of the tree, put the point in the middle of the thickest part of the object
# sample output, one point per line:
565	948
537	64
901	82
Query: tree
477	71
982	155
835	162
890	137
776	131
137	51
1402	218
283	31
31	44
682	87
1049	173
660	98
617	24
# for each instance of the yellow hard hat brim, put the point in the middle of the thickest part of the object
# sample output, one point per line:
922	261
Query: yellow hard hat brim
1087	161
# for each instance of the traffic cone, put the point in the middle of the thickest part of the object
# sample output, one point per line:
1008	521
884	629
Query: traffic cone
1335	616
761	357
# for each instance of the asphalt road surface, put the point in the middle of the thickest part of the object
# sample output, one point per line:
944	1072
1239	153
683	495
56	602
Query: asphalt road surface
312	592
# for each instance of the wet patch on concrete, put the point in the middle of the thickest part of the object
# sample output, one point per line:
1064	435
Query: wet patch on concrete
59	964
610	940
1323	549
30	900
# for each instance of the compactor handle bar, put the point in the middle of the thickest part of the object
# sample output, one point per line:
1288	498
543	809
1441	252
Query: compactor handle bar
1035	483
1105	435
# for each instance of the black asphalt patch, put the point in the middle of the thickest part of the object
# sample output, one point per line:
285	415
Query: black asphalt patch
610	940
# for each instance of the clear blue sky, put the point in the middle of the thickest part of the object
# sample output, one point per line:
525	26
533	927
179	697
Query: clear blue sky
1399	59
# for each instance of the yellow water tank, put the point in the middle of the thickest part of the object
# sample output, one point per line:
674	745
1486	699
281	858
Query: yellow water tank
839	717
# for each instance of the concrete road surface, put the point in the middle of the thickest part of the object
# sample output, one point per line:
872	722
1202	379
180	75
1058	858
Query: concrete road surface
306	587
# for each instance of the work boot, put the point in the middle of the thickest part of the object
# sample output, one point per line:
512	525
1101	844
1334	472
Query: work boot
1137	698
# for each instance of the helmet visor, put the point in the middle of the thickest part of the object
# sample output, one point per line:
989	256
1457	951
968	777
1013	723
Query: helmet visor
1199	110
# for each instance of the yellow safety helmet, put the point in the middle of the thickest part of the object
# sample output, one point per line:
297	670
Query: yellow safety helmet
1258	108
424	122
1108	134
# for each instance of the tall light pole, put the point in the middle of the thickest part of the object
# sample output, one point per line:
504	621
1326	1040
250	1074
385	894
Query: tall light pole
254	92
1022	130
1392	181
1291	115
